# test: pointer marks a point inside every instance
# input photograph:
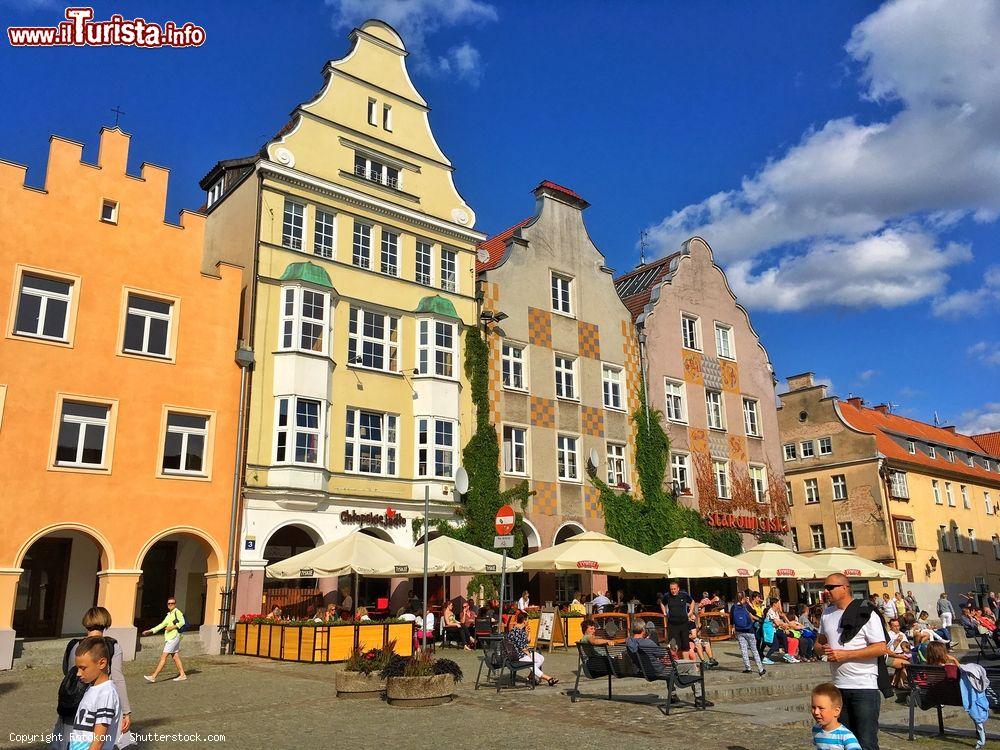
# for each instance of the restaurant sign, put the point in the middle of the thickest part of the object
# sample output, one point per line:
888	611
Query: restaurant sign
391	519
402	568
587	564
852	572
785	572
748	523
306	572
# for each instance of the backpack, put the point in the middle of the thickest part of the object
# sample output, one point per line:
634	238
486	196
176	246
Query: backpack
180	628
741	619
71	689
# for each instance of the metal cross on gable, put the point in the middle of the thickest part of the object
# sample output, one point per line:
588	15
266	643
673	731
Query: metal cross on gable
118	113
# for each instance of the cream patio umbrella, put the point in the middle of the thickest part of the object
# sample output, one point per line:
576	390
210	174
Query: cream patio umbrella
461	557
356	553
840	560
775	561
689	558
597	553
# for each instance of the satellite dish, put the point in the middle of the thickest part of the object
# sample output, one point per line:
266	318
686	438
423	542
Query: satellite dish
594	458
482	255
462	480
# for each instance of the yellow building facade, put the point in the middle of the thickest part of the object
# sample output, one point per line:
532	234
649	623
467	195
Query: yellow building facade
359	284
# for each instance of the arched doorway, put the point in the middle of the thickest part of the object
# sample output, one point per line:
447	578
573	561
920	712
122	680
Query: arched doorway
59	583
174	566
297	597
379	534
566	531
567	583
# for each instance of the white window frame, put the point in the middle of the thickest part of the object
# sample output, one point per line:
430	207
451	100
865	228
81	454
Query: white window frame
680	470
612	386
973	542
388	259
943	539
374	169
213	193
751	417
758	482
568	458
818	534
795	539
449	270
294	320
513	372
846	531
956	534
899	487
965	496
906	538
324	233
691	332
356	339
811	453
293	225
711	412
561	293
388	445
720	473
361	245
932	451
387	117
292	429
951	455
617	464
186	433
936	489
565	377
790	455
788	493
839	488
988	502
724	345
86	423
424	263
148	316
675	399
949	494
44	295
372	111
911	447
511	446
429	443
433	358
811	488
824	442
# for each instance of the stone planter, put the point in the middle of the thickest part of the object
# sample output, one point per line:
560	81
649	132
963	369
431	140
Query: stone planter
420	691
357	685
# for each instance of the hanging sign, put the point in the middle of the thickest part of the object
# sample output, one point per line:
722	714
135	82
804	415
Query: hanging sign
588	564
306	573
402	568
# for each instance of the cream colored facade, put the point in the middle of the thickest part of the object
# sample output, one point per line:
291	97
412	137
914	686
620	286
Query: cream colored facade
918	497
359	399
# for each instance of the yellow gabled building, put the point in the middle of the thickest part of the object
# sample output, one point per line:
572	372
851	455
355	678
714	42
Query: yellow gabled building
360	281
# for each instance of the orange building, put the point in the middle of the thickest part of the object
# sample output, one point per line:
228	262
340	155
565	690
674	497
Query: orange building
119	395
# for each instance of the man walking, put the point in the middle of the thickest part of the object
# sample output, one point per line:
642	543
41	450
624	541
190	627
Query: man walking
854	640
743	623
945	610
171	626
678	606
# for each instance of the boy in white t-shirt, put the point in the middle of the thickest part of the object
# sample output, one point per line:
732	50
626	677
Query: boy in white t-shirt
99	715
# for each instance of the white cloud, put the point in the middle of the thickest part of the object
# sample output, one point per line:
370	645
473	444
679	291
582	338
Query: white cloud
867	375
849	184
417	21
987	352
977	421
971	301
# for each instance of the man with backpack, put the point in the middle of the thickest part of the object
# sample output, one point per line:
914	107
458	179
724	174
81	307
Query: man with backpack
172	626
743	617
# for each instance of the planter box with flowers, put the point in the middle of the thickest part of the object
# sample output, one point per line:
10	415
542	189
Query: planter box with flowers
361	676
310	641
420	680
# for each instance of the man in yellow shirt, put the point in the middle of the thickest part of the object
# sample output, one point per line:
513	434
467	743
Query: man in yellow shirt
171	626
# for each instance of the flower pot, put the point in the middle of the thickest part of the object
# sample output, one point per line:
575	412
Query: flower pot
420	691
358	685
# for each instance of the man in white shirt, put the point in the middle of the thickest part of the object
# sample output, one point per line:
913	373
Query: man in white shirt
853	661
600	601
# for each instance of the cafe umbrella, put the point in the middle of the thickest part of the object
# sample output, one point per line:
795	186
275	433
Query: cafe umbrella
464	558
598	553
689	558
840	560
774	561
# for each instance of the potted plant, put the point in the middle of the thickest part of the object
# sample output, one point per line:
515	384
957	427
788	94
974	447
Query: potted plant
361	675
420	680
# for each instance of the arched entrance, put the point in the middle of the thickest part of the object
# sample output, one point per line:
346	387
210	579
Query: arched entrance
175	566
297	597
567	582
566	531
59	583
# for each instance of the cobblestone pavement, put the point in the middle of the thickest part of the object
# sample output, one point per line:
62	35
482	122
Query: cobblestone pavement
256	703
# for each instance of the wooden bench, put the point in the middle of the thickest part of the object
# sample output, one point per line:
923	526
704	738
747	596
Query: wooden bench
932	686
659	665
602	662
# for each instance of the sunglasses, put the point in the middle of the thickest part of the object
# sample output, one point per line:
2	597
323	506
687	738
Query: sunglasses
832	586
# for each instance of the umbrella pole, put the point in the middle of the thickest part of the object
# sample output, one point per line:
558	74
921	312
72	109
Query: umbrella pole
357	583
427	502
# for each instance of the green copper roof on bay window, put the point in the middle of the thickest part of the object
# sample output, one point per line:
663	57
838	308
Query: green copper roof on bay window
437	305
308	272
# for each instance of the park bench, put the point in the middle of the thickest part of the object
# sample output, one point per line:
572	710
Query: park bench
659	665
602	662
984	643
935	686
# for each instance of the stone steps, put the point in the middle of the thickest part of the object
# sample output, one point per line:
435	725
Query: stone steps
46	652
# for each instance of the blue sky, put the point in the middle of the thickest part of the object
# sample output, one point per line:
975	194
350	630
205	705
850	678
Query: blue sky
843	159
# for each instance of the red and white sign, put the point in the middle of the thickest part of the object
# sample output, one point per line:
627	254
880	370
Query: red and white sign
504	521
852	572
785	572
745	572
588	564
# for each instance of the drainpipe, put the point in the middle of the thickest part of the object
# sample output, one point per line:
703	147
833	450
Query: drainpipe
885	473
642	372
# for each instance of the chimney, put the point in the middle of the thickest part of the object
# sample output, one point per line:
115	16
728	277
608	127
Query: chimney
797	382
950	428
549	190
855	401
882	408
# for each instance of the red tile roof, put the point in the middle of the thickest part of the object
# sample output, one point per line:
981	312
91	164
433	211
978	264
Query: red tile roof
875	422
560	189
636	286
989	442
495	246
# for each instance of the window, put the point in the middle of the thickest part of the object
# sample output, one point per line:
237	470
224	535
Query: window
372	109
387	117
617	468
825	446
299	431
512	366
423	267
724	341
561	300
911	446
304	316
435	447
788	493
515	441
806	449
611	378
436	348
147	326
689	332
566	458
751	418
375	171
676	407
932	451
109	209
971	461
43	307
905	538
957	535
937	491
758	481
943	538
565	377
996	547
795	539
951	456
897	485
713	403
213	194
323	234
973	542
720	470
949	495
184	446
362	247
83	435
373	340
965	497
449	273
292	226
370	446
790	454
988	502
679	471
818	538
812	491
846	529
389	258
839	487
